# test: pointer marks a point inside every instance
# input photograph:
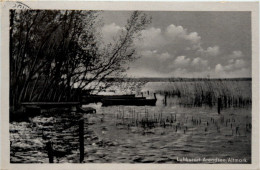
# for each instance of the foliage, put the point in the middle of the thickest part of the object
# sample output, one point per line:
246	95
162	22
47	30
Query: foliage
54	54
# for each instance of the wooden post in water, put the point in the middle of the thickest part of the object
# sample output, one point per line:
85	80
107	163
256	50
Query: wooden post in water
81	140
219	105
165	99
50	151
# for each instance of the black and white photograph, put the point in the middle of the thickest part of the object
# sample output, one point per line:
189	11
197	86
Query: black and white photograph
130	86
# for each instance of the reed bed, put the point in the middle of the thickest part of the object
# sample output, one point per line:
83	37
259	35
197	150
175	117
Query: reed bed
207	92
228	124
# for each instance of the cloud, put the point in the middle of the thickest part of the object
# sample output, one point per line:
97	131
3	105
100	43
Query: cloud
239	64
236	54
174	39
219	68
151	38
199	61
182	61
193	37
233	65
231	61
110	32
151	34
178	32
200	64
212	51
165	56
152	60
175	31
149	54
158	48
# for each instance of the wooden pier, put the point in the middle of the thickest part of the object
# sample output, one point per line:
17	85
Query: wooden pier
34	108
98	98
50	104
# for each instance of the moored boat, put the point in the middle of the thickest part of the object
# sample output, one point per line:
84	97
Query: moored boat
98	98
136	101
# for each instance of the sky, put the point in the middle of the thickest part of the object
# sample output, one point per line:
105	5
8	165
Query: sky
188	44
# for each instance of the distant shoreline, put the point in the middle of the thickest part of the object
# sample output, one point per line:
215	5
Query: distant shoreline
158	79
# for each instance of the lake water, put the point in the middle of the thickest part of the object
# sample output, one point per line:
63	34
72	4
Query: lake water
166	144
116	134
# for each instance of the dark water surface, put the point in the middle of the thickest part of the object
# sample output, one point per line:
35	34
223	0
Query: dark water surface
113	136
165	144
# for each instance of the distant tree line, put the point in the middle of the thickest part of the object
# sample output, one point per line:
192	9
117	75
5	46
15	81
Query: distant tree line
172	79
56	53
